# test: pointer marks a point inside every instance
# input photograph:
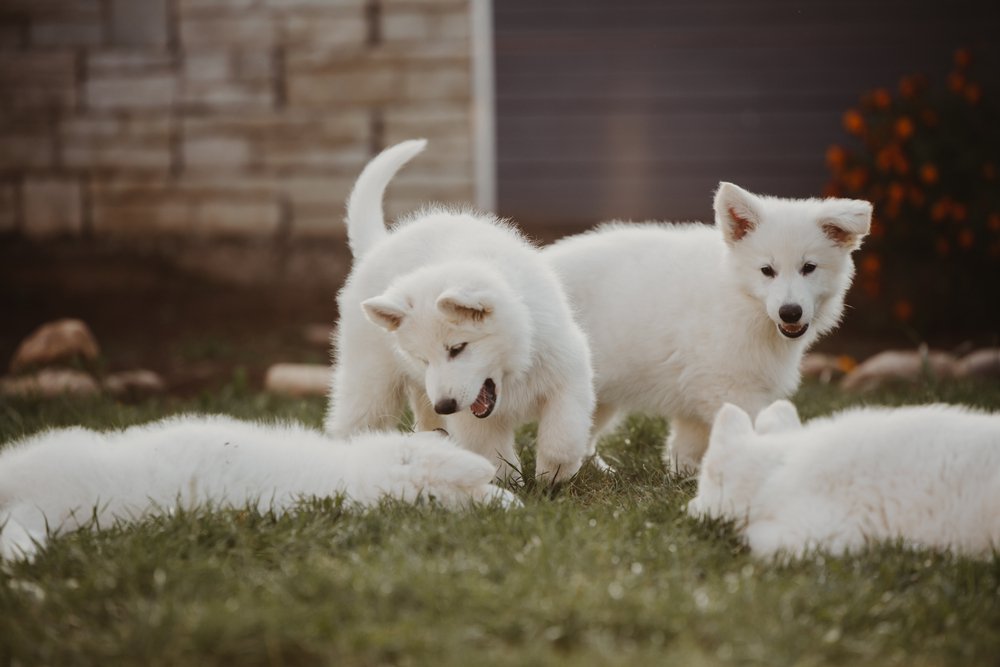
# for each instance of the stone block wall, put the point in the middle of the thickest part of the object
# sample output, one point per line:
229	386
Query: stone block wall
132	119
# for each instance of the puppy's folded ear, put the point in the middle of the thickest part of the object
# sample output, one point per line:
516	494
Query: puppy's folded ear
466	304
385	312
736	212
846	221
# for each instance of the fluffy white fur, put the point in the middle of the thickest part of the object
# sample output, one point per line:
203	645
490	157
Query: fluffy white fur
60	480
929	475
458	313
682	318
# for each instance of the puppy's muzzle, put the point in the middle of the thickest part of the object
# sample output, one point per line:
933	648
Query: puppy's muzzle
790	314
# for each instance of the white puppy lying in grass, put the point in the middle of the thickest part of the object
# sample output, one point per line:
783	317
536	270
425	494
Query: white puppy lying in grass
64	479
929	475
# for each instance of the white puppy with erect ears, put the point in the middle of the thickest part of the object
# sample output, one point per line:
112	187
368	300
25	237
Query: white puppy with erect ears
456	311
682	318
928	475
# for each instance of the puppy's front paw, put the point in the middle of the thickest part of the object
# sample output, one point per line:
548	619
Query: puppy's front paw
681	465
502	497
555	471
508	474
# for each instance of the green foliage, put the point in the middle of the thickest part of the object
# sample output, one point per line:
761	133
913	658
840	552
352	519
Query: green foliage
928	158
607	570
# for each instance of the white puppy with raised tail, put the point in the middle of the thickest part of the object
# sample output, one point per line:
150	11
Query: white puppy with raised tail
928	475
63	479
682	318
457	312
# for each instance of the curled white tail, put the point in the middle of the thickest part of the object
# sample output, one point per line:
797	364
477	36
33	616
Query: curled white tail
365	220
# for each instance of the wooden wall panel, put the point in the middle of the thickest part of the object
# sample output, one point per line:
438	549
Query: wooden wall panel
638	108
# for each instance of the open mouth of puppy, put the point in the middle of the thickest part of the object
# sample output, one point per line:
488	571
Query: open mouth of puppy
486	400
792	330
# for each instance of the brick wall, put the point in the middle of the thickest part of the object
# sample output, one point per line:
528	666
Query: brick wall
210	119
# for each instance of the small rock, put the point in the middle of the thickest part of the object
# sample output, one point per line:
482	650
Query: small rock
825	367
49	383
900	366
981	364
134	383
298	379
54	342
317	334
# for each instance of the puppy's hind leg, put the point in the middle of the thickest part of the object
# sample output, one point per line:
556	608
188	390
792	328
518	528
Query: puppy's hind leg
366	394
686	445
607	417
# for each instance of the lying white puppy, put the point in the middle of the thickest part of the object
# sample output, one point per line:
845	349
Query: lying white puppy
59	480
929	475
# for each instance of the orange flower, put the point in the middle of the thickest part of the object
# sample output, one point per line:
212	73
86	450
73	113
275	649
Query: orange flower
854	122
994	221
940	209
989	171
855	179
903	310
956	82
930	117
907	87
881	98
871	264
917	197
966	239
929	174
973	93
846	363
963	57
900	163
904	128
883	159
959	212
942	247
896	192
836	157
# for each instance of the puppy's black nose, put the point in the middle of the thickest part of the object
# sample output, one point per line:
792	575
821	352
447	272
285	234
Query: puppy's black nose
790	313
446	406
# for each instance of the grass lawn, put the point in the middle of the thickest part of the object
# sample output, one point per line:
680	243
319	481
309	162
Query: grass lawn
608	570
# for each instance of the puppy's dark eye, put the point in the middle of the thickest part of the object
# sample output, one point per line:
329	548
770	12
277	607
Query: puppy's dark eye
456	350
768	271
808	268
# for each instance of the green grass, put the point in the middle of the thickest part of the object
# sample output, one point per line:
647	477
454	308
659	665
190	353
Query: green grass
606	571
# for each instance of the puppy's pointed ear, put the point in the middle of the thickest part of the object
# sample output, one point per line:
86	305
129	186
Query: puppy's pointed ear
385	312
463	304
846	221
731	428
778	417
736	212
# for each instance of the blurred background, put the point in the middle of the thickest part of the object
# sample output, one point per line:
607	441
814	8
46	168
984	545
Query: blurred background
173	172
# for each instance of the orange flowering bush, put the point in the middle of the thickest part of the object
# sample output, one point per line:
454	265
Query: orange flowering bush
928	158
